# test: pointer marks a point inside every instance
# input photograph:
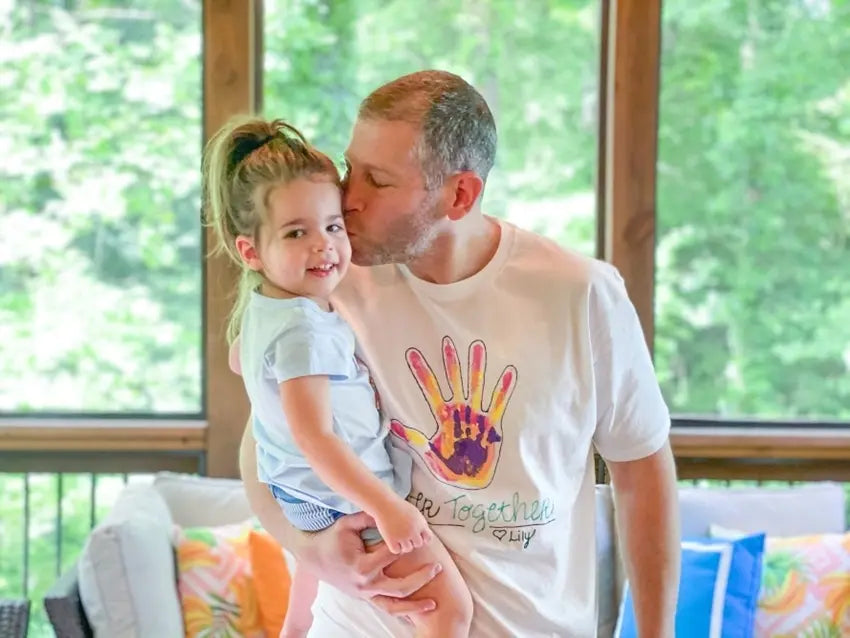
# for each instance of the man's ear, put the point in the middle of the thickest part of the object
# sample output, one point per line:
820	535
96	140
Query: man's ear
464	189
248	251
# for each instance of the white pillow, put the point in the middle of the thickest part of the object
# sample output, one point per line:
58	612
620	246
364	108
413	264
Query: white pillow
724	533
816	508
126	571
196	501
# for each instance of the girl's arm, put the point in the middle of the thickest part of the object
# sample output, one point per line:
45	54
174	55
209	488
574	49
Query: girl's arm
336	554
233	358
306	403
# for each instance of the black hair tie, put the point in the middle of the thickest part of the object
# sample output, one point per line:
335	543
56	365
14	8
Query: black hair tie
245	146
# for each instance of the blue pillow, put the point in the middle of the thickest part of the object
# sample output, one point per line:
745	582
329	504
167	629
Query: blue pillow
718	590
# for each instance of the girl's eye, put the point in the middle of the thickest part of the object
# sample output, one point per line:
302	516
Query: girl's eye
335	228
294	234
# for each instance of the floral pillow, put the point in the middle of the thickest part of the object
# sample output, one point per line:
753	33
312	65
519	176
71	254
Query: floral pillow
215	582
805	588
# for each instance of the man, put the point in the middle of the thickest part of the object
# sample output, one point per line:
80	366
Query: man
501	362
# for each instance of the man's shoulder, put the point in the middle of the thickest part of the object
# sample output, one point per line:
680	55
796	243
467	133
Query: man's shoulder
365	290
542	258
360	281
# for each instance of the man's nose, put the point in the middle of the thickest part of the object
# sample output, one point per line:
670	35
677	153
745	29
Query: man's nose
352	202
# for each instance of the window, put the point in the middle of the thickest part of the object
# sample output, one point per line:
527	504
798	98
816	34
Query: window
100	265
536	64
753	259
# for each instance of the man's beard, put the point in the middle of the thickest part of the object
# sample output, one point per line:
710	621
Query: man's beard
408	238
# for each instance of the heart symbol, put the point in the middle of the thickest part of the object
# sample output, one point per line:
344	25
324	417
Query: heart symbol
500	533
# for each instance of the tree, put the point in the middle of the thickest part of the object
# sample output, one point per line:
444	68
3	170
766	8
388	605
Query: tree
100	284
100	142
536	66
753	311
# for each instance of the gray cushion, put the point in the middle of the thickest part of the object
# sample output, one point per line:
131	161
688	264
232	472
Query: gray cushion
126	570
816	508
606	558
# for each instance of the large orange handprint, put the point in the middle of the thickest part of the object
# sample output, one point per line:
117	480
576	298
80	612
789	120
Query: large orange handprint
465	448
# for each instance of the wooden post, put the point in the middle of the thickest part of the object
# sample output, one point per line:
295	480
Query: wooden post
634	38
231	85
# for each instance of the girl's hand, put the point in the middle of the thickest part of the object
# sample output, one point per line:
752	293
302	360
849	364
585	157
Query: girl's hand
402	527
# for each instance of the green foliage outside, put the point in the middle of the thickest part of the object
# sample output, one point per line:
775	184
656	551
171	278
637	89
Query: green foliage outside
49	553
100	135
101	147
537	67
100	140
753	277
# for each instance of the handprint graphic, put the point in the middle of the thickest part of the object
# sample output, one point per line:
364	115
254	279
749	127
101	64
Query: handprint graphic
465	448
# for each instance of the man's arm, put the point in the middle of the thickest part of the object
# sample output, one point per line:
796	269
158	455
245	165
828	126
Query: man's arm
263	504
336	555
647	507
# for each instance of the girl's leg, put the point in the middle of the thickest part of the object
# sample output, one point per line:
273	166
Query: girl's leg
302	593
453	615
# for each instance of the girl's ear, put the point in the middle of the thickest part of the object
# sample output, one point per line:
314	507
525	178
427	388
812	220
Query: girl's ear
248	251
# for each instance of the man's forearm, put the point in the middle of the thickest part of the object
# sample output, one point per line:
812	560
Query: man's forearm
336	555
648	521
262	503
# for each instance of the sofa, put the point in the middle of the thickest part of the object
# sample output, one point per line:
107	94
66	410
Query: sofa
127	569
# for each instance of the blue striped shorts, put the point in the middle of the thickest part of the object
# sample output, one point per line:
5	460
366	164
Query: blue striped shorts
310	517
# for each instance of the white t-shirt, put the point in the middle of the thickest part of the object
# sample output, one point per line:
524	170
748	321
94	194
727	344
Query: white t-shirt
523	368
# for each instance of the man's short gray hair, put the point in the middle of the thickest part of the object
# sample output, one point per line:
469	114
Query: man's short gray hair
458	132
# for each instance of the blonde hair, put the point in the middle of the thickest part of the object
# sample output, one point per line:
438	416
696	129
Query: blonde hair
242	163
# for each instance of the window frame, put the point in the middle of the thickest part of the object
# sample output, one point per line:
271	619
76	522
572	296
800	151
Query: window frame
626	218
705	447
232	81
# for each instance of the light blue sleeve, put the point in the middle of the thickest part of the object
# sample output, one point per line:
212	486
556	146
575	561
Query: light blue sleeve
303	350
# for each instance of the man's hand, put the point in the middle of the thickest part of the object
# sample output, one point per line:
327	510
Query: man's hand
337	556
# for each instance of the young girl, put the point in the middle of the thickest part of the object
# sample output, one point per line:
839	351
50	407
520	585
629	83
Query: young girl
275	204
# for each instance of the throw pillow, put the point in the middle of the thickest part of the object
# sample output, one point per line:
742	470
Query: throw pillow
271	580
805	587
215	582
127	568
718	590
201	501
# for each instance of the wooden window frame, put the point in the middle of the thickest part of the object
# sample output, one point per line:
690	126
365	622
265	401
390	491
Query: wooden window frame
233	56
232	83
704	447
629	85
